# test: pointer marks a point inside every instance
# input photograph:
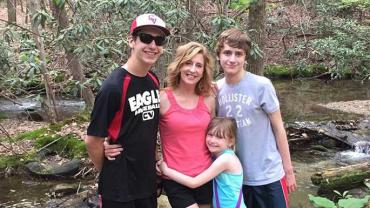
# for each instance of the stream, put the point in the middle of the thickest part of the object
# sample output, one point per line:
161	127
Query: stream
298	100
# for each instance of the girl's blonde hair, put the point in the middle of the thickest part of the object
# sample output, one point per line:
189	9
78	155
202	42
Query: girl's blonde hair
223	127
185	53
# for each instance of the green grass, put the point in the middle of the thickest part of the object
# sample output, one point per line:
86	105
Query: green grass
15	160
31	135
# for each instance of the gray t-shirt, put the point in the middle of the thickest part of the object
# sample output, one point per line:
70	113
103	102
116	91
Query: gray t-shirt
249	102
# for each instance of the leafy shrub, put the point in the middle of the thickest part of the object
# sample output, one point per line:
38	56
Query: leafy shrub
343	43
346	201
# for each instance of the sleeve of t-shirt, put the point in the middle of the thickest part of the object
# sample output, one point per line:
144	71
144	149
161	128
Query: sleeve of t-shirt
268	98
107	103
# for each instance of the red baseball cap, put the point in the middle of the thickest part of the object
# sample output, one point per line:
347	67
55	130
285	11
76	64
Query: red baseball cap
148	20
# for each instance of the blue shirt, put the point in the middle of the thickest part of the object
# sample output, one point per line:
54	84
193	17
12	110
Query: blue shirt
227	189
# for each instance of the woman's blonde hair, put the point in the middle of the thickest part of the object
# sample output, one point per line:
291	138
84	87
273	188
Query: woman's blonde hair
185	53
223	127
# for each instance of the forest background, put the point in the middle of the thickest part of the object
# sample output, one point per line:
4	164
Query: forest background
66	48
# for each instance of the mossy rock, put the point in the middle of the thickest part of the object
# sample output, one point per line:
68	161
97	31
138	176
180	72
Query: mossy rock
69	146
51	170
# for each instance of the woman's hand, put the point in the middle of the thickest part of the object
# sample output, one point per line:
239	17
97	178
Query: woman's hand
111	150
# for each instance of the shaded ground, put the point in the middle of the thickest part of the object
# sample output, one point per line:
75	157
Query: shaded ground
11	127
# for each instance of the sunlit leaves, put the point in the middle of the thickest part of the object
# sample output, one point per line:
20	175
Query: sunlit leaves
355	3
346	201
321	202
256	52
59	3
353	202
241	4
41	17
4	55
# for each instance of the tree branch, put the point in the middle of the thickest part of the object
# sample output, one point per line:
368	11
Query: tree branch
11	23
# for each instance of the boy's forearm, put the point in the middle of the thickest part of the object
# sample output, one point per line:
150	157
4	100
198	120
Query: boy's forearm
283	148
281	141
95	149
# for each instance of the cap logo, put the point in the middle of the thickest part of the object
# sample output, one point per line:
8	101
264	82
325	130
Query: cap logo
152	18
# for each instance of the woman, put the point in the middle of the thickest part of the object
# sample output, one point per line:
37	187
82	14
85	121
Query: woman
187	106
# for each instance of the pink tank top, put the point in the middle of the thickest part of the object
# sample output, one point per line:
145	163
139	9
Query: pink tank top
183	136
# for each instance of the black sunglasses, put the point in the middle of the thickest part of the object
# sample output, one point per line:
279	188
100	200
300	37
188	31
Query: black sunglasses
147	39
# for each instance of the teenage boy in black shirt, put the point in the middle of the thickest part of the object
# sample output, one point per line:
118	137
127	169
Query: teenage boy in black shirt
126	110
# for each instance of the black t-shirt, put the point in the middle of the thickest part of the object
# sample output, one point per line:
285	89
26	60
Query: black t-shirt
126	110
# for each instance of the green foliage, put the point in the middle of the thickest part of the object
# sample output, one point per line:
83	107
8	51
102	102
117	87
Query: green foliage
97	35
343	195
345	201
367	183
41	17
58	3
354	3
241	4
346	49
4	56
353	202
343	43
321	202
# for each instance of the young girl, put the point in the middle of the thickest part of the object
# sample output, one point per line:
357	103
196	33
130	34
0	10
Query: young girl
226	169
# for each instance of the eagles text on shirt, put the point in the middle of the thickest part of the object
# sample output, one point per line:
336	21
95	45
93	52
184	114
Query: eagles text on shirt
145	103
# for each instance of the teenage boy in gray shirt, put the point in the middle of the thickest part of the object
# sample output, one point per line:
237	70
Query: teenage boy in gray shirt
262	144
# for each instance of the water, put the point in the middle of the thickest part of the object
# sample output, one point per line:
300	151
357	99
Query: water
24	106
298	101
23	192
362	147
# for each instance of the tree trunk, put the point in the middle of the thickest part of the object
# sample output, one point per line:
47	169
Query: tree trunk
74	63
342	178
12	11
257	32
50	96
190	22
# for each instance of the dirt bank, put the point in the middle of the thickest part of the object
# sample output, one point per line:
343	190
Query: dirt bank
361	107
